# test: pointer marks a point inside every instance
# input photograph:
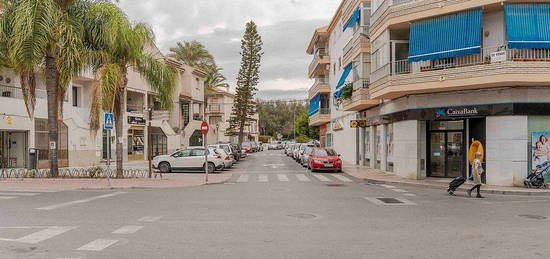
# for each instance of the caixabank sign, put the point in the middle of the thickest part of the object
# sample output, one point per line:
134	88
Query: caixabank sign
457	112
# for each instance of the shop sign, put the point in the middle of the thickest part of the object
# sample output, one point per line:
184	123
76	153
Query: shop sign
136	120
323	130
457	112
540	149
499	56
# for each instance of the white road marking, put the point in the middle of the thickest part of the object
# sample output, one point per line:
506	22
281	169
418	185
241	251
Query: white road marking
263	178
322	178
341	178
150	218
388	186
399	190
65	204
409	194
26	190
127	230
7	197
97	245
282	177
44	234
243	178
18	194
302	178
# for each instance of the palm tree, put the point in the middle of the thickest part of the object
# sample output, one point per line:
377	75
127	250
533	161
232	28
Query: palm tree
192	54
214	79
45	36
125	46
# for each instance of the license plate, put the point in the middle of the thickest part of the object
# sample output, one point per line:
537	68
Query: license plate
328	165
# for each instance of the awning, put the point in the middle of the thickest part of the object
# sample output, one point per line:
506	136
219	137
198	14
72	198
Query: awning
354	19
528	25
449	36
314	105
338	93
344	76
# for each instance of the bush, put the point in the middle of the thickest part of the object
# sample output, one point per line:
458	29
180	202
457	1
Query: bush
347	92
302	139
264	139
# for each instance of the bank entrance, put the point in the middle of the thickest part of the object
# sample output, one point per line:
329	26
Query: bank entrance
447	152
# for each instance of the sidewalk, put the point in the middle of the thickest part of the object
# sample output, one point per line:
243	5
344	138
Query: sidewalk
379	177
169	181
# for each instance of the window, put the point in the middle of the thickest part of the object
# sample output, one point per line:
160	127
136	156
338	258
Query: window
329	140
198	152
42	142
324	152
76	96
182	153
185	113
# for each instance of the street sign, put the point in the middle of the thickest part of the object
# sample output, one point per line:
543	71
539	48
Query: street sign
353	124
204	128
108	121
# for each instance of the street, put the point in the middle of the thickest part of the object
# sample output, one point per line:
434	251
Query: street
272	208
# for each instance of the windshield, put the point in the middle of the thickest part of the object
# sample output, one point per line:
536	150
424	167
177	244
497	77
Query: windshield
246	144
324	152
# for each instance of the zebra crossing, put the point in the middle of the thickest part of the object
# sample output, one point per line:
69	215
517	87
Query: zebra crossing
15	194
285	178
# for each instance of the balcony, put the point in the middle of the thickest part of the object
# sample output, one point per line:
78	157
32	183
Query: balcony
161	115
17	93
135	110
320	118
214	108
197	117
319	86
494	67
394	13
358	44
317	68
361	99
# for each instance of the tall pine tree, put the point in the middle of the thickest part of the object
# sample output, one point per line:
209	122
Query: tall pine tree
244	106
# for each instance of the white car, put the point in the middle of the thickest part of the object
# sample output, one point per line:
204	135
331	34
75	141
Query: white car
228	160
191	158
228	149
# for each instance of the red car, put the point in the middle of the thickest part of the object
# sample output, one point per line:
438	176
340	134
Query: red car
324	159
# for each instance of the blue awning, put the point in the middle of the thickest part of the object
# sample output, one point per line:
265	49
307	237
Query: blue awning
314	105
528	25
449	36
345	75
354	19
338	93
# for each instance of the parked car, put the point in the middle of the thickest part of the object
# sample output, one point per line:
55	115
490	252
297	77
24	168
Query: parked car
247	147
324	159
237	151
301	151
296	152
228	149
288	149
228	161
304	158
188	159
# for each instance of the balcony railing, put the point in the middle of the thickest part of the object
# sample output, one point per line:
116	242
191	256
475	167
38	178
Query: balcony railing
358	37
17	93
161	115
487	56
215	108
324	111
135	108
385	5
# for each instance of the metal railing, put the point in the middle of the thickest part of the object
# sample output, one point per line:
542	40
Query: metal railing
324	111
358	38
79	173
135	108
385	5
486	56
214	107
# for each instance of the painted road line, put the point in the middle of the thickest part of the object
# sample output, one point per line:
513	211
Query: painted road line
127	230
7	197
65	204
27	190
341	178
388	186
44	234
302	178
243	178
409	194
97	245
282	177
399	190
263	178
322	178
18	194
150	218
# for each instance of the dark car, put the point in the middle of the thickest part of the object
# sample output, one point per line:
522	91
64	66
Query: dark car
237	151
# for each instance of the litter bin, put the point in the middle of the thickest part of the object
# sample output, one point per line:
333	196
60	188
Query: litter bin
33	158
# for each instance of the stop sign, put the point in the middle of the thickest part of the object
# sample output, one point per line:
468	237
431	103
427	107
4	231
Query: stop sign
204	128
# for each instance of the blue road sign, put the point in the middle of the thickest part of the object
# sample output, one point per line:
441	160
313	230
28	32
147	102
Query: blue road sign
108	121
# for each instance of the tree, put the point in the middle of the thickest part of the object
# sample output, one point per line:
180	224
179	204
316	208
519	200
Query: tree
192	54
303	128
244	107
45	35
124	45
278	117
214	79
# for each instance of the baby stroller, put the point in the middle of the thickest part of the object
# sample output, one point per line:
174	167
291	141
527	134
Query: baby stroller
536	178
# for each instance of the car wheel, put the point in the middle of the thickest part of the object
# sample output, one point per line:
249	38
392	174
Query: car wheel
211	167
165	168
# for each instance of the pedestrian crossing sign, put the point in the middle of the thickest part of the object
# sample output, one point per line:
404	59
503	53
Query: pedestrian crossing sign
108	121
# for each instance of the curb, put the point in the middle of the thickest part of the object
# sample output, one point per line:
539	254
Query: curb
444	188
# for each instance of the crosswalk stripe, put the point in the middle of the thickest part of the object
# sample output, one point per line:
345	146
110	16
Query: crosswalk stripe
243	179
7	197
302	178
263	178
61	205
44	234
126	230
409	194
322	178
18	194
399	190
97	245
388	186
282	177
341	178
150	218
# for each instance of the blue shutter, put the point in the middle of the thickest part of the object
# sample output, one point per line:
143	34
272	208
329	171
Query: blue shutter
354	19
528	25
314	105
446	37
345	74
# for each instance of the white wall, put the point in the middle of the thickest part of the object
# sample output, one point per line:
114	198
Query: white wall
409	146
507	150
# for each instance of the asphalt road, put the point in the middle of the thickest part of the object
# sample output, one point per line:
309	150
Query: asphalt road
273	208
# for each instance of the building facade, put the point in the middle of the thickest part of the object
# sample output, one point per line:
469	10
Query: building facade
447	73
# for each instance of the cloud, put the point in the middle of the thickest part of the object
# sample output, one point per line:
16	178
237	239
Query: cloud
286	27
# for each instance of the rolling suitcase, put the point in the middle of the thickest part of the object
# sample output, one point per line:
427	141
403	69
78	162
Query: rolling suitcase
455	183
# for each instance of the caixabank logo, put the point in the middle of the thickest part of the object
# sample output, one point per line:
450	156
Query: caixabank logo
456	112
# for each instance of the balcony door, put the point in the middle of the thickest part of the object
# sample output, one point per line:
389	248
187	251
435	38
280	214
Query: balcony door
399	56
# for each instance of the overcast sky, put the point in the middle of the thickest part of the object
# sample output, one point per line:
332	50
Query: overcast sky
286	27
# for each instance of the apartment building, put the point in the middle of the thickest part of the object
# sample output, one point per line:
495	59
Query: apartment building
340	66
77	145
219	107
447	73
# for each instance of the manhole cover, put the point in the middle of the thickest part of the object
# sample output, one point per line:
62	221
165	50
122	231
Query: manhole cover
390	200
538	217
303	216
336	185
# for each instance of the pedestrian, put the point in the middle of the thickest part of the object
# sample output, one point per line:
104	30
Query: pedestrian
477	170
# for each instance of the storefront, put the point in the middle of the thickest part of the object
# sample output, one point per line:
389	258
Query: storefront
13	149
136	143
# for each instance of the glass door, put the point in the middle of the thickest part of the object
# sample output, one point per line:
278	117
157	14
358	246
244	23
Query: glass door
455	154
437	154
447	154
